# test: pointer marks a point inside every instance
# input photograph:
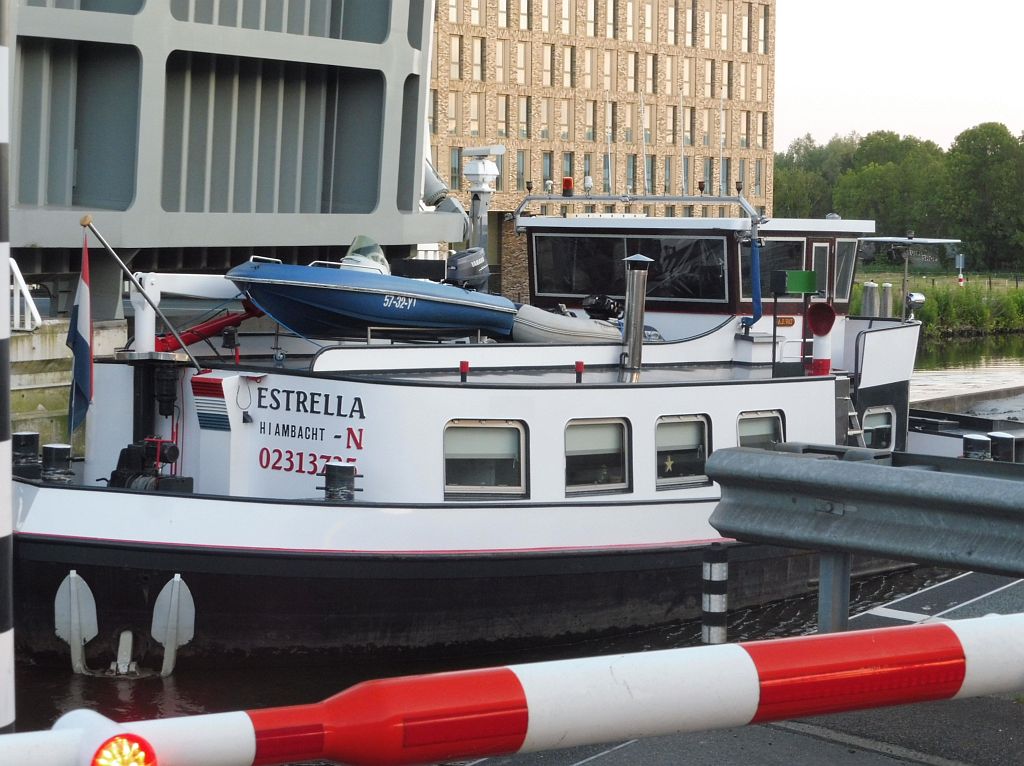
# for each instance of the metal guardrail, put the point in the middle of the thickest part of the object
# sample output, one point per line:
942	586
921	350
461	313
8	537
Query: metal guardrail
24	314
931	510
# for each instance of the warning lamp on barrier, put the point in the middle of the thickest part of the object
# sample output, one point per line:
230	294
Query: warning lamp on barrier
124	749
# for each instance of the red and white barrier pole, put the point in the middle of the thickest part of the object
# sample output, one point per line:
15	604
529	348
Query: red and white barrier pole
544	706
820	318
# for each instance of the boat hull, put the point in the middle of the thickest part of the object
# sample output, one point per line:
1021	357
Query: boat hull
324	302
284	607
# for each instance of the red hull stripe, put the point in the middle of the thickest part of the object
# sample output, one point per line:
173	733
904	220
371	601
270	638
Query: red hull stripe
301	743
852	671
212	387
417	719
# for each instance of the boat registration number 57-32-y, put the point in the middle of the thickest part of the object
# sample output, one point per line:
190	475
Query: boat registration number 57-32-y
297	461
401	302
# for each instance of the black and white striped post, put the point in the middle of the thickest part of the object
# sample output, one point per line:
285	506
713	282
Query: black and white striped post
715	598
6	512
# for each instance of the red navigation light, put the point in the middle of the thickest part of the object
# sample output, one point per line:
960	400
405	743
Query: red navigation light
567	186
124	749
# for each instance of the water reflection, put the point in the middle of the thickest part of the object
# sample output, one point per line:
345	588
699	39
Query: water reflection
971	352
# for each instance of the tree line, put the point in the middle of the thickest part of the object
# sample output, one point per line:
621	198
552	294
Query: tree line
973	192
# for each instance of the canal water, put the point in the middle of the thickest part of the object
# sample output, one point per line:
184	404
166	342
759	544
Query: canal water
43	695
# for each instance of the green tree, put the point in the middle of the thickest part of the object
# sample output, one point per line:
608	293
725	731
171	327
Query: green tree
986	184
801	194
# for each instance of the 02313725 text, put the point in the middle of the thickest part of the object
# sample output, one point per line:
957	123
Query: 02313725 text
297	461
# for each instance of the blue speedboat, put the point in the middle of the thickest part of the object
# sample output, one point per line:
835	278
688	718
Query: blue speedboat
325	299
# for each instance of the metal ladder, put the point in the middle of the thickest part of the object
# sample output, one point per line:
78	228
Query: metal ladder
854	431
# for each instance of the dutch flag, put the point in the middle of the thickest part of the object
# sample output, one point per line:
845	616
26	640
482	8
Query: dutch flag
80	342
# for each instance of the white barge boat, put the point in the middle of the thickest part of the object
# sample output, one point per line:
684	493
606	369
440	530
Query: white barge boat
508	494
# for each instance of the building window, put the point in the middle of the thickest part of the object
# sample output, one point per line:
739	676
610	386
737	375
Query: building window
687	77
596	455
589	119
709	79
758	177
726	170
547	62
432	115
690	22
762	35
726	79
455	11
474	12
547	160
724	31
475	115
591	17
707	30
682	446
672	124
485	457
588	171
741	175
762	129
545	117
688	125
744	130
651	75
628	122
668	74
455	167
647	9
588	68
630	20
759	83
607	170
709	177
499	182
564	118
503	104
545	15
745	32
503	13
608	72
671	23
706	126
631	174
568	67
454	113
568	16
610	24
523	117
648	118
760	429
478	59
649	170
741	89
524	14
686	173
568	165
611	113
668	177
455	58
522	62
520	170
501	61
631	65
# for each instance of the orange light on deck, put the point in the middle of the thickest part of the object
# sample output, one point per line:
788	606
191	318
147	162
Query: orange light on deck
124	749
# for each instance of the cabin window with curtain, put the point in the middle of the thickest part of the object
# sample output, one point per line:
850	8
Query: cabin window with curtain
879	427
682	443
596	455
484	457
776	255
760	429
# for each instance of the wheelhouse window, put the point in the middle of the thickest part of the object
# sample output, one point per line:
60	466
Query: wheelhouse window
596	455
682	446
760	429
879	427
846	259
684	268
484	457
776	255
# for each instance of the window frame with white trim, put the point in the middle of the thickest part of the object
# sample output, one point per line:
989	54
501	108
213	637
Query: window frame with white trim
584	442
474	448
681	441
750	435
874	421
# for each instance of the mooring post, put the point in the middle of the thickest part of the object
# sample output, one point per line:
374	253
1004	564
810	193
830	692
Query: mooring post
715	597
833	592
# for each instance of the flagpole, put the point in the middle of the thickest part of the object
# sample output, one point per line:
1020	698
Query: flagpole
87	223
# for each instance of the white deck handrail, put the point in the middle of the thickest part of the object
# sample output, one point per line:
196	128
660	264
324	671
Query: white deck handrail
24	314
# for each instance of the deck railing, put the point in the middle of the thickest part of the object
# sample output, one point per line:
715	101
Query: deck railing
24	313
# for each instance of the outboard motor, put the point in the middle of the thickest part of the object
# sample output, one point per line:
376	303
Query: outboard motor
468	269
602	307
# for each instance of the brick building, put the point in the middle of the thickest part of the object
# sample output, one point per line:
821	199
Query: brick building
643	96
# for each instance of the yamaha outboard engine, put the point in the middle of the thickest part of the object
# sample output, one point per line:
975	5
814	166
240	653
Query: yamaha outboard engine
602	307
469	269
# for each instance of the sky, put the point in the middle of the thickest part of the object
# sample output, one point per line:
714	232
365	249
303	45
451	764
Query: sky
925	68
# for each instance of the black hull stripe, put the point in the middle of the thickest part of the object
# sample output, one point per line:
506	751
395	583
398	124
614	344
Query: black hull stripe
6	584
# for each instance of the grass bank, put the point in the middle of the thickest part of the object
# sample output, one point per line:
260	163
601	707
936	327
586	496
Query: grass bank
952	311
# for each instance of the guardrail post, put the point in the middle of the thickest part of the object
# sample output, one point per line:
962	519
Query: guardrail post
833	592
715	598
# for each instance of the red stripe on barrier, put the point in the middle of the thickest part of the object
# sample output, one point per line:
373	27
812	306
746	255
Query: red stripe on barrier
287	743
850	671
410	720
